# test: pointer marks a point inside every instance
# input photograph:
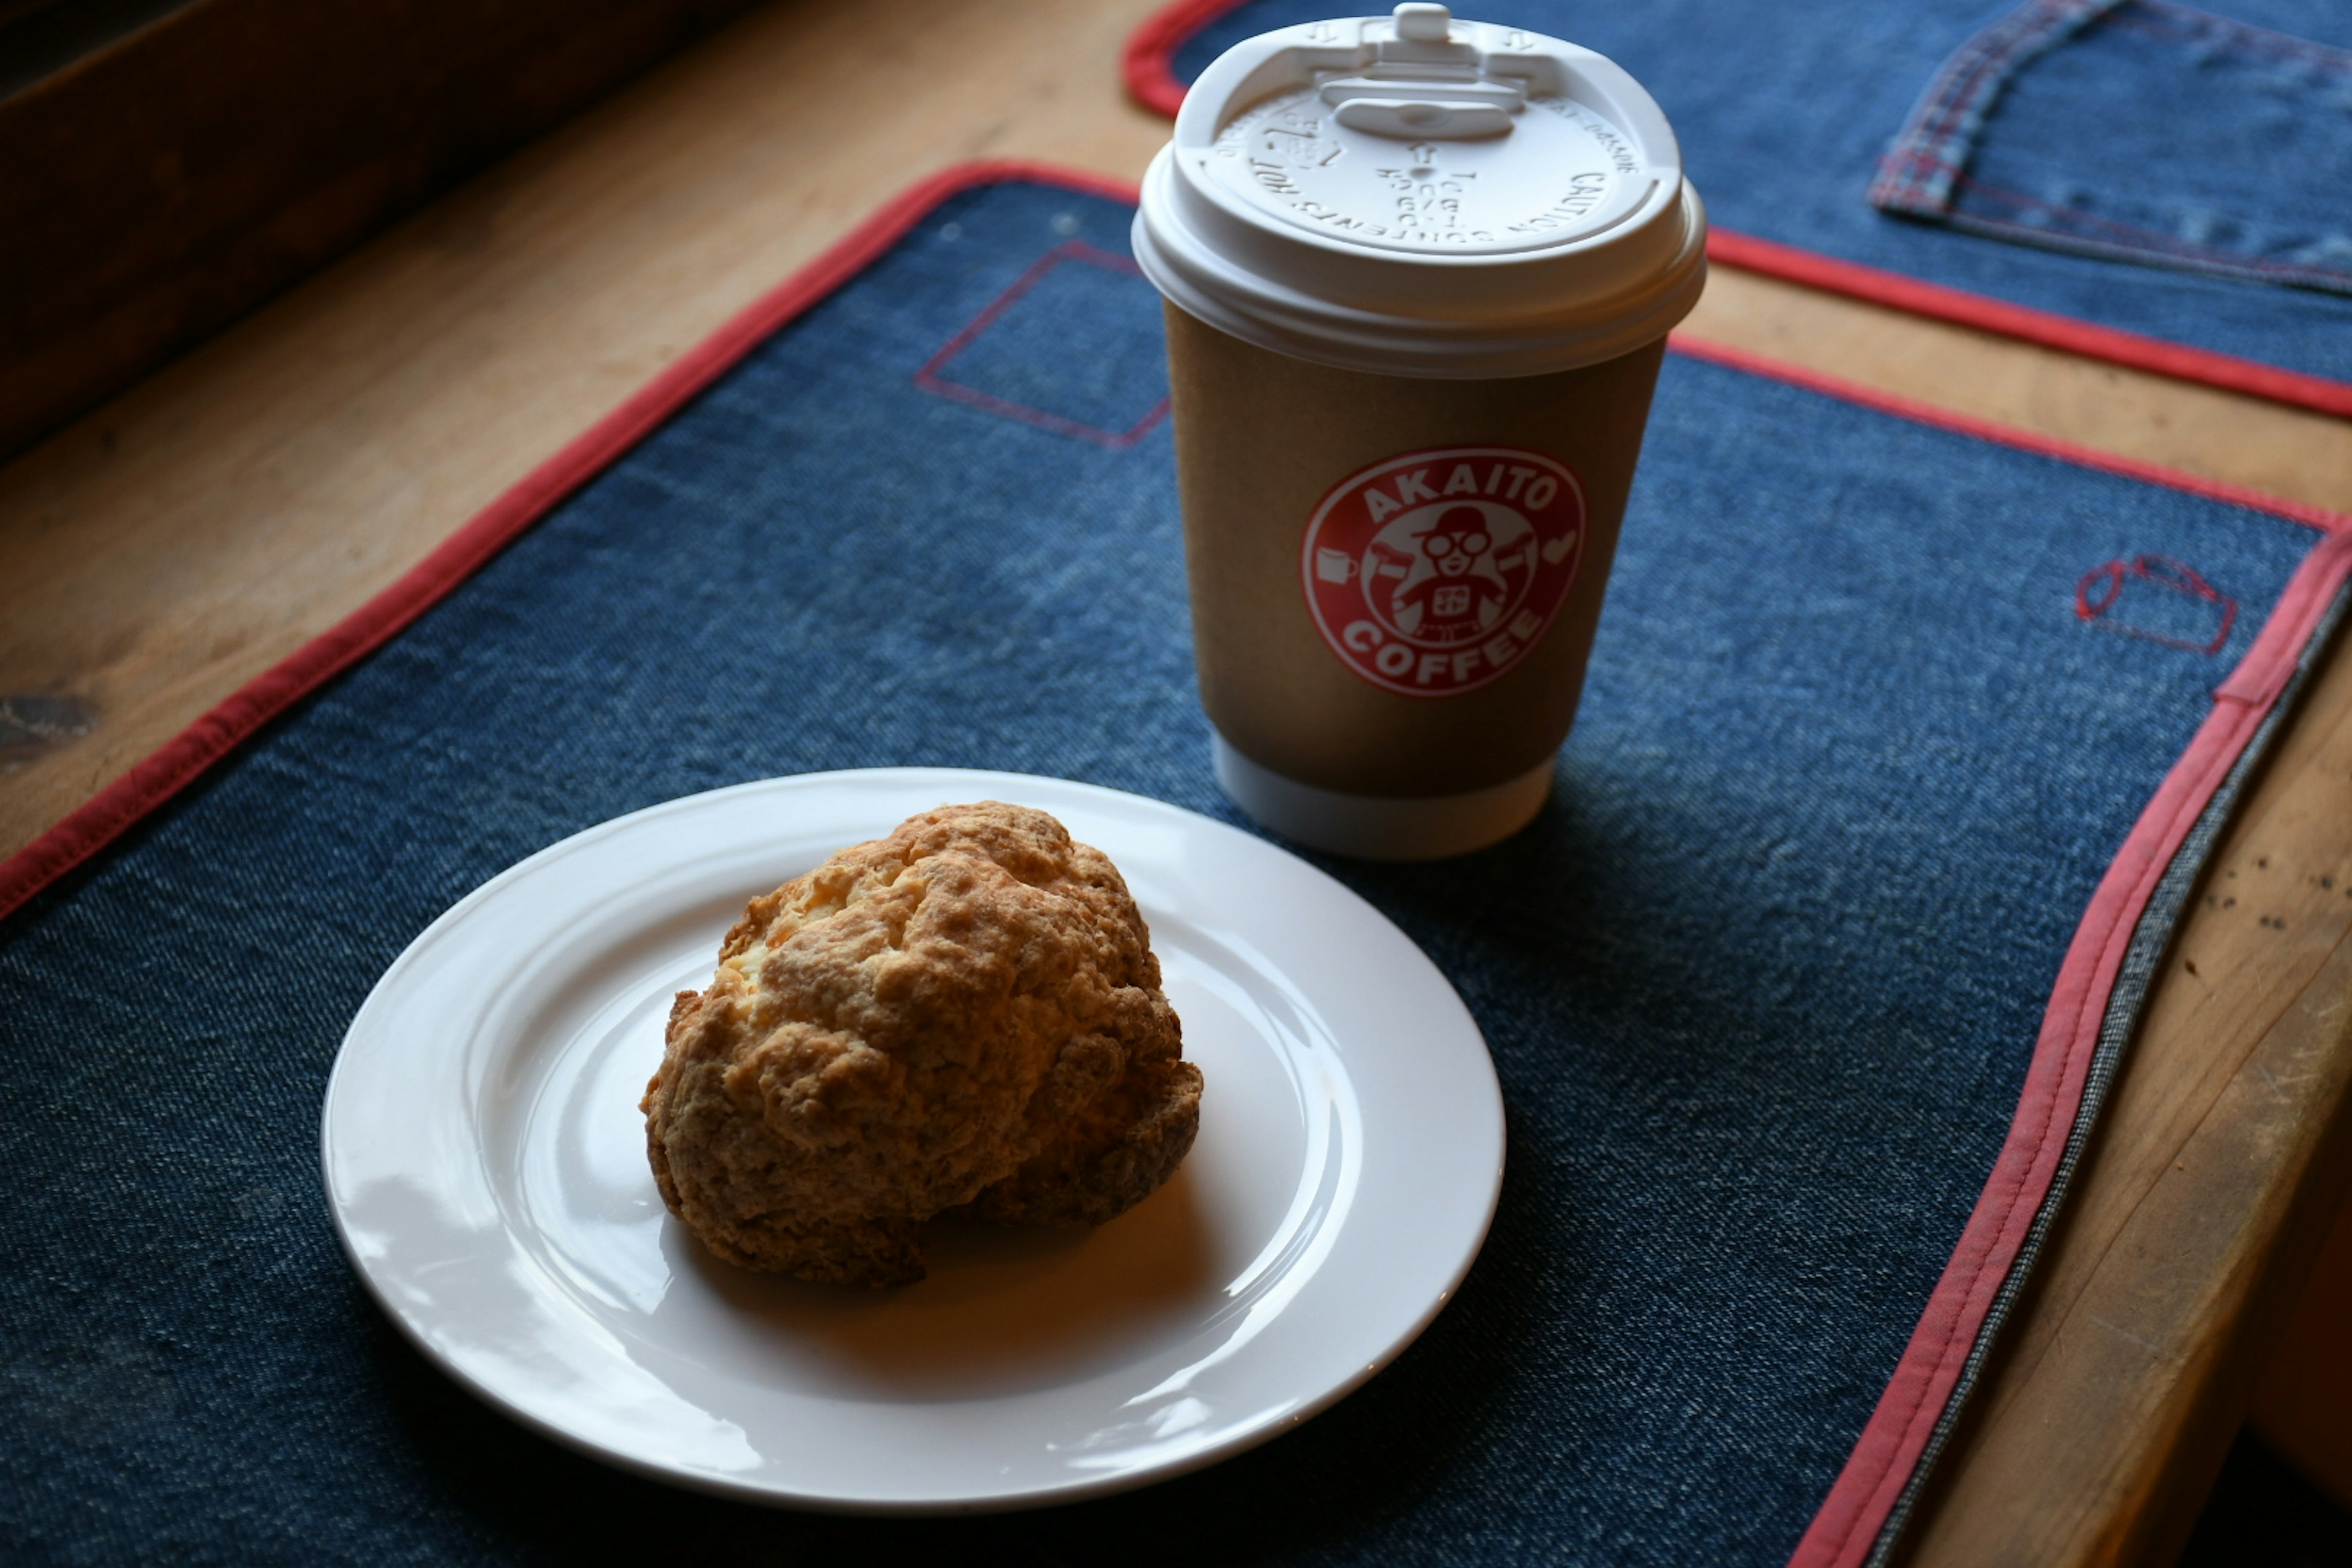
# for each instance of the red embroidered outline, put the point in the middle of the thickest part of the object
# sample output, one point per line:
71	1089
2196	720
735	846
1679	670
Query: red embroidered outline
2178	575
929	379
1890	1444
1145	65
1880	1467
1895	1437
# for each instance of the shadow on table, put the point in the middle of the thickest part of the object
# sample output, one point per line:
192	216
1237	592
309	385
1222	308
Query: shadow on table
2262	1514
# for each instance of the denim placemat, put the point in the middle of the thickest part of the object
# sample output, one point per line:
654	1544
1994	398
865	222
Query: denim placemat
2178	157
1871	708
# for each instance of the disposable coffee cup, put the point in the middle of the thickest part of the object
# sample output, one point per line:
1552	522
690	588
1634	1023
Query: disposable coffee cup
1419	274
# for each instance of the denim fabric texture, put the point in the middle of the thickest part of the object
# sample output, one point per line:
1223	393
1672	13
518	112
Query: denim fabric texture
2218	146
2032	133
1761	982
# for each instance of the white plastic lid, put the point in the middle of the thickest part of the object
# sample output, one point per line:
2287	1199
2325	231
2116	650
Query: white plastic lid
1415	195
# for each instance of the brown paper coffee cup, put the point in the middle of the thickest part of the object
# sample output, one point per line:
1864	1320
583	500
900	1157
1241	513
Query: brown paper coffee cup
1351	659
1415	316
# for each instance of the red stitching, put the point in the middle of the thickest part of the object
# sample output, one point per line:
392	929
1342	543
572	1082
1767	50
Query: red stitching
1994	57
2112	573
2177	576
1895	1435
1872	1467
928	379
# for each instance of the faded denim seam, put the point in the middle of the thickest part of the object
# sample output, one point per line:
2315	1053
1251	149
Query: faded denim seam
2141	244
1916	174
2242	35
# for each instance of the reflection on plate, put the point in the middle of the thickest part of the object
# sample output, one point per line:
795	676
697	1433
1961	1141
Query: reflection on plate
486	1164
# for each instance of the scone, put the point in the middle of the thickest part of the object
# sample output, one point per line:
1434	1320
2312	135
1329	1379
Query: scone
965	1012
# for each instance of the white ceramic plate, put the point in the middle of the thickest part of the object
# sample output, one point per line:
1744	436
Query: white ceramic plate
486	1161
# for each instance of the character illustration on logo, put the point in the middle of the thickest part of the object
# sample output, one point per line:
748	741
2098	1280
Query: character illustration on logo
1451	573
1437	572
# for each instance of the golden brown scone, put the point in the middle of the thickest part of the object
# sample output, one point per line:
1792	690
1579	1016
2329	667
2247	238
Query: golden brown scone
966	1011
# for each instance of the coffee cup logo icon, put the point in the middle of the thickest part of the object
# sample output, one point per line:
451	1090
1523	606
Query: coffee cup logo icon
1434	573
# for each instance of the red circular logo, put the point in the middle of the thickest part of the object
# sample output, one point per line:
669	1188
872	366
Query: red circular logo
1434	573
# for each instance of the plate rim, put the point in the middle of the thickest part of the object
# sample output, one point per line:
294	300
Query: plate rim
1260	1431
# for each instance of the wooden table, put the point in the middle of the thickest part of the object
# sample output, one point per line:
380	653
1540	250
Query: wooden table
179	541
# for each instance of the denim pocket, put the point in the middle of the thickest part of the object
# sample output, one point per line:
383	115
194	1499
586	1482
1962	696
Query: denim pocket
2139	131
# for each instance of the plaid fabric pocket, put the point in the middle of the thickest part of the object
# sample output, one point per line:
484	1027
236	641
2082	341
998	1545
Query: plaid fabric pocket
2139	131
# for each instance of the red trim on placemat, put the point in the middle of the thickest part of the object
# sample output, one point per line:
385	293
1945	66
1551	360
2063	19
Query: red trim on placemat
1148	62
1889	1449
2316	517
1881	1464
114	809
1898	292
1883	1458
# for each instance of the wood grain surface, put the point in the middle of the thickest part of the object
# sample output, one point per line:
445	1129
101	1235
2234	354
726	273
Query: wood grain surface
164	184
2304	1403
2223	1157
183	537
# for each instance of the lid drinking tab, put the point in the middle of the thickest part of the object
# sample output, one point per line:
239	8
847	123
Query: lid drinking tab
1424	85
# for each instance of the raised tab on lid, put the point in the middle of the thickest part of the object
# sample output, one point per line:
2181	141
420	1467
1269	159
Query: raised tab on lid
1424	23
1425	85
1322	149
